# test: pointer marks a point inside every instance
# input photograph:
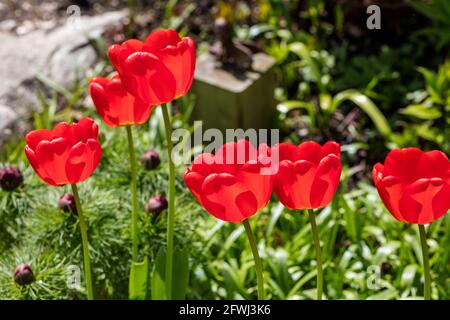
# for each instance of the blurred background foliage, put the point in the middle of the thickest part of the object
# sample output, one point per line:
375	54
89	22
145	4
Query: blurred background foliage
370	90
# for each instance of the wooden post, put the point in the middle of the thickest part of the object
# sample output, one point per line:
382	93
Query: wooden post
228	99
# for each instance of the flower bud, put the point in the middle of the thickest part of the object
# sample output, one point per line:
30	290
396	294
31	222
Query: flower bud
10	178
386	268
67	203
156	205
150	159
23	275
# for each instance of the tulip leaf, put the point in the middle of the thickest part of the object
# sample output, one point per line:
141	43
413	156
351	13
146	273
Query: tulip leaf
421	112
408	275
139	275
387	294
180	277
158	287
287	106
366	105
302	51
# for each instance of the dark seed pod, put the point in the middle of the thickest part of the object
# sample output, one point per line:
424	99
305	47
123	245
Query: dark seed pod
156	205
23	275
67	203
150	159
10	178
386	268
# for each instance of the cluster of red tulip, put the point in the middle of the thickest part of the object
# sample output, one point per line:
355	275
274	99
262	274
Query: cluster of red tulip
150	73
414	185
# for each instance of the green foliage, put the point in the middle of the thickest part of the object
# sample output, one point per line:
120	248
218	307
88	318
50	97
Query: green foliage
439	12
29	219
429	111
363	94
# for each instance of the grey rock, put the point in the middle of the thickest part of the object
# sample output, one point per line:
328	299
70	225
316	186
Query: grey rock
62	55
8	121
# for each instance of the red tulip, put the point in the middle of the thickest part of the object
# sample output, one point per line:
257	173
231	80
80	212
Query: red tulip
65	155
230	184
115	105
414	185
308	174
158	70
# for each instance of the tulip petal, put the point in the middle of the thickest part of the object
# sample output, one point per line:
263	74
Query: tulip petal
85	129
390	190
34	137
214	182
286	151
146	77
180	60
377	173
119	53
194	181
96	154
311	151
101	104
37	168
52	156
438	163
441	200
76	162
160	39
331	147
326	181
283	183
115	105
204	164
248	205
417	202
409	164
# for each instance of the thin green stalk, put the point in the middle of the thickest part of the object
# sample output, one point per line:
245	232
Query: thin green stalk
426	262
134	198
130	7
84	240
258	264
315	233
171	209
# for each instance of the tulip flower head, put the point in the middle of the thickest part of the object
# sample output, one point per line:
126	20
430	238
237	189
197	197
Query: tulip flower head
414	185
67	154
158	70
229	184
308	174
115	104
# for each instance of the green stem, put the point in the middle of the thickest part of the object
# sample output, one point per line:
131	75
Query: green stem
426	262
171	211
134	199
130	6
258	265
84	240
312	220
